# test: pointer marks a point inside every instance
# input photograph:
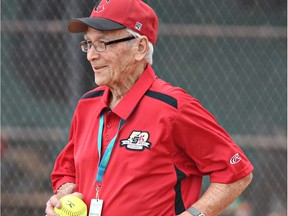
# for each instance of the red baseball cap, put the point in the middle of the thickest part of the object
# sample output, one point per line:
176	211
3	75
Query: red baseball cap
119	14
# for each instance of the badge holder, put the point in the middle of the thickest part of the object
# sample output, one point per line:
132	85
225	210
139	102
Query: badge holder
96	204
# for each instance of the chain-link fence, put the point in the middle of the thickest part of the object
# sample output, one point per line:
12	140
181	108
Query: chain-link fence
230	54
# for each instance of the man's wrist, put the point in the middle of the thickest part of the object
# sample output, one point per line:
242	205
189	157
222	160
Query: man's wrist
195	212
66	188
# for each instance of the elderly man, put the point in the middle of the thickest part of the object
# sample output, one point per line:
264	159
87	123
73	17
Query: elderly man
138	145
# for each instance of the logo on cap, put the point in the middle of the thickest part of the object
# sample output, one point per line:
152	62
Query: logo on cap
138	26
100	6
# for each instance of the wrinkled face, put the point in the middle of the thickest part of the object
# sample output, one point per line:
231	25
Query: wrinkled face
115	64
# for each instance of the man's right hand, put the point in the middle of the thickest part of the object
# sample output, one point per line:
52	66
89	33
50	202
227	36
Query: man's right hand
51	203
54	202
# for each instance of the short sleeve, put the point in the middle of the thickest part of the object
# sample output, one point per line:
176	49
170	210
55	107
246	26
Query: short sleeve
214	153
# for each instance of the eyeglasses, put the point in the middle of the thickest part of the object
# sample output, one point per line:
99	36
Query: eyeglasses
100	46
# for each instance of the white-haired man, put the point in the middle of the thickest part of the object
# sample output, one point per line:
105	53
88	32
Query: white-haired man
138	145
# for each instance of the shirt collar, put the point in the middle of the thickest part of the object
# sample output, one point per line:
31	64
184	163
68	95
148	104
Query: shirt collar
127	104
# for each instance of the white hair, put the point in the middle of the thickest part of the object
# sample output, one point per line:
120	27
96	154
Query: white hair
151	48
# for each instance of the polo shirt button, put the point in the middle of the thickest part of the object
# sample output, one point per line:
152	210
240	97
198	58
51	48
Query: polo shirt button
109	125
107	138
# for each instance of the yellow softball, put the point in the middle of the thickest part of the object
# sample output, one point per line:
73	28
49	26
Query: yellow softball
71	205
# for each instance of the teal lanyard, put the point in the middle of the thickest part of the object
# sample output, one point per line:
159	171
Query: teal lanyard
107	154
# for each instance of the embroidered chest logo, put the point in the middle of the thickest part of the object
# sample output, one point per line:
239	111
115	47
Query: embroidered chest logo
138	141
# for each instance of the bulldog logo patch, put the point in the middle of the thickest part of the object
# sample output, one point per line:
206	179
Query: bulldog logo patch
137	141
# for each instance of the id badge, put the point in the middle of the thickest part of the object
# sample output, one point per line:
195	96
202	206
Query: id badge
96	207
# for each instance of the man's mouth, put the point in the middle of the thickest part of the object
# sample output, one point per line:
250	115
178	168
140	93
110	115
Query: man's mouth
99	67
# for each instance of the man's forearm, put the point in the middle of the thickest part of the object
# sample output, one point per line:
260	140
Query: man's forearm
219	196
66	188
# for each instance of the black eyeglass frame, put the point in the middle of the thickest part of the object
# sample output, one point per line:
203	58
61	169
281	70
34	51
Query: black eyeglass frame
107	43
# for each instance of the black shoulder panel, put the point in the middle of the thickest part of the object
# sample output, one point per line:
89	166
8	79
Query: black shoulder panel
93	94
163	97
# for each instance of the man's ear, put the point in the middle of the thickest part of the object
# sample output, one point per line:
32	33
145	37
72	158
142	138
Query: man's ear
142	48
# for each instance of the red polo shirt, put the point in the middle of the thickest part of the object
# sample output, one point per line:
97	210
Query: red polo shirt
167	143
